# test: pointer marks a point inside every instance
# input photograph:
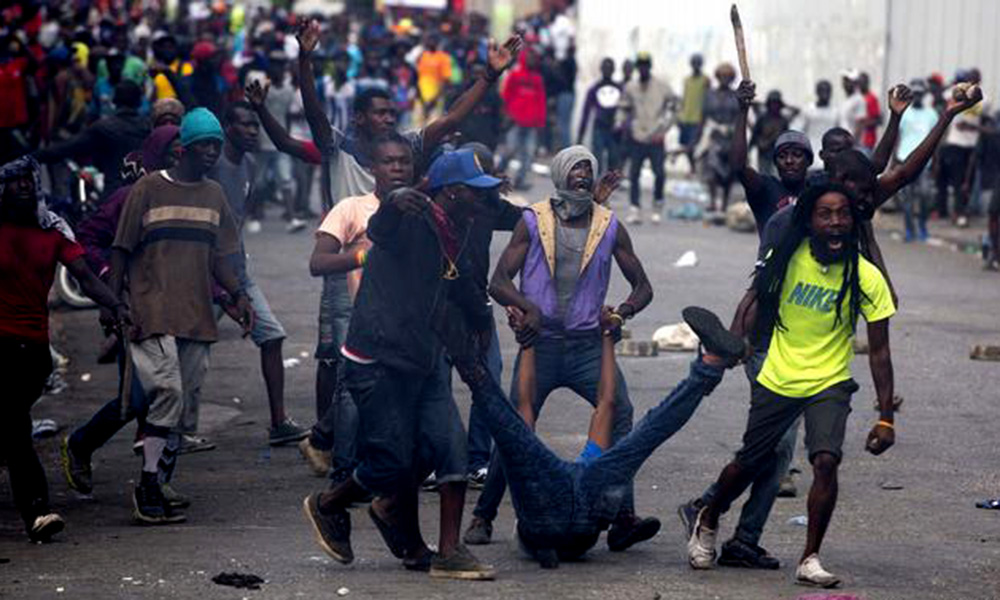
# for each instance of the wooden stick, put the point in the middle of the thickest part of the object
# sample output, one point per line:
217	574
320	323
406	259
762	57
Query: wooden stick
741	46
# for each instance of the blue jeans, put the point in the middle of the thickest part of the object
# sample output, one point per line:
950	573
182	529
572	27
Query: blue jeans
563	505
764	490
605	146
336	428
480	442
564	120
561	362
409	426
521	144
916	199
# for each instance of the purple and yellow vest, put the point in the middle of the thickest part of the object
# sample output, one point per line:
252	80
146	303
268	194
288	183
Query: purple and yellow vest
538	275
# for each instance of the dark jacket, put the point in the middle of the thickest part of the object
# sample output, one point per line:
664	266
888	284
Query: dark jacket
105	143
406	313
498	215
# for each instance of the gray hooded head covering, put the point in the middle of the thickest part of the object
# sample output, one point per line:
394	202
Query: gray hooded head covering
568	203
46	218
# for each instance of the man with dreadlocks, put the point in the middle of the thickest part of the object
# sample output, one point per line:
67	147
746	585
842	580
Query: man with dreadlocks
810	291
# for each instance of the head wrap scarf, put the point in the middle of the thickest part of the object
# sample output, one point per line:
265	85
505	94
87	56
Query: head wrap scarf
569	204
46	218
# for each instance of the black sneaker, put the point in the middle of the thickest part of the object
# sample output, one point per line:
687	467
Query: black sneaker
626	533
477	478
688	512
44	527
149	505
714	337
419	560
77	470
737	553
333	532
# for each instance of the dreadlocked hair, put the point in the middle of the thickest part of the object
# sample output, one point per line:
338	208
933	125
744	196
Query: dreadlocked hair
769	283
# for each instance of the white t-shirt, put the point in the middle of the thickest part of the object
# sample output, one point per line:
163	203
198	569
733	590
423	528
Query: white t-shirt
972	116
814	121
853	110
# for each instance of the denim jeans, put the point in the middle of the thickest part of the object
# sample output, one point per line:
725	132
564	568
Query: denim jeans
480	441
657	154
562	505
522	142
573	363
336	428
564	120
409	425
605	146
764	489
916	199
109	420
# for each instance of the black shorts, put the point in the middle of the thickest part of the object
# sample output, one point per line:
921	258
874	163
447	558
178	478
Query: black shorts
771	415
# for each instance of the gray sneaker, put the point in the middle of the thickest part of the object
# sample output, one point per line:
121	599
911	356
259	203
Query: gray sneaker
174	498
479	533
287	432
193	443
461	564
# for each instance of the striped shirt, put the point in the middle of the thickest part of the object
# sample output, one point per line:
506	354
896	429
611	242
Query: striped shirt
173	231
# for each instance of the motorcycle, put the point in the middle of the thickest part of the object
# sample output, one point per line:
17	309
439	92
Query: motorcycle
86	185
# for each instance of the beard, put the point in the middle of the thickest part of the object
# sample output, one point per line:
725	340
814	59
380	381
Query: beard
820	245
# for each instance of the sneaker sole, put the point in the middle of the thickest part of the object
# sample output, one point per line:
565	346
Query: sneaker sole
712	334
463	575
317	532
64	459
814	584
288	439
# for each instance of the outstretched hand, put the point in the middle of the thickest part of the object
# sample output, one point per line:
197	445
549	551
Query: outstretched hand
502	57
606	186
256	92
900	98
410	200
308	36
963	97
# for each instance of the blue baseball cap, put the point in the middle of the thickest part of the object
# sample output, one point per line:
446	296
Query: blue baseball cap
459	166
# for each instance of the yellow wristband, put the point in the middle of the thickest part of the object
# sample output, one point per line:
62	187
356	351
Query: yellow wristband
361	257
886	424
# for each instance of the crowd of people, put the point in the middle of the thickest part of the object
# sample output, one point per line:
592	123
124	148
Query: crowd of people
410	125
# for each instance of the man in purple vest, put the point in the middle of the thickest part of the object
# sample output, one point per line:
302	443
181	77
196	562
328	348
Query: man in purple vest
563	248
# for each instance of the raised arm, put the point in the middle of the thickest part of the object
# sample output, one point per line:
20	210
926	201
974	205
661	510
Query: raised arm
319	125
900	97
913	166
256	94
883	435
738	155
500	58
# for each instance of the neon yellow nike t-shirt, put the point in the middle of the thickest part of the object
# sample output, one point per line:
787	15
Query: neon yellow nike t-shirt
809	354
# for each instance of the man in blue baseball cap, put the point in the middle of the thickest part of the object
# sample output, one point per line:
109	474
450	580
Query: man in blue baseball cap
176	233
416	303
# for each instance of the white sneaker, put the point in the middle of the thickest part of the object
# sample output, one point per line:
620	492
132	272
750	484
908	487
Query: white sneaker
296	225
253	226
656	217
811	572
962	222
634	216
701	546
45	526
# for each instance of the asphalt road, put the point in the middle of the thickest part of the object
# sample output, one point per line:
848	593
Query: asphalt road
925	540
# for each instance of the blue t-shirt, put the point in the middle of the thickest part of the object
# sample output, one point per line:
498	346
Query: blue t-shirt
913	128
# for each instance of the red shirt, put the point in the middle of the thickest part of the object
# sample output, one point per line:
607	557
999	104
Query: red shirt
868	136
28	257
524	97
13	94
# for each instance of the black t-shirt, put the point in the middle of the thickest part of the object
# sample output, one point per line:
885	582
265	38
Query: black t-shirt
500	215
767	199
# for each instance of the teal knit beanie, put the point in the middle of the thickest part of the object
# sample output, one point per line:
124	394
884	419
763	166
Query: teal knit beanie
200	124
